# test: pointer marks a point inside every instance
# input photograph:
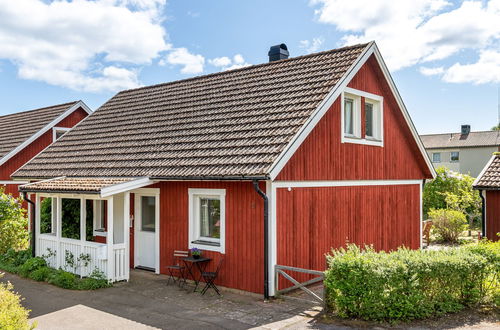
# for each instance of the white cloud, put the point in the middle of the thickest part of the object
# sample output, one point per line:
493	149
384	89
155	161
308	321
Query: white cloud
311	46
226	63
431	71
411	32
82	44
485	70
220	61
192	63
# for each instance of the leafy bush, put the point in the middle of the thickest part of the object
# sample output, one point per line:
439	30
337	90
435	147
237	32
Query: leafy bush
95	281
448	224
63	279
15	258
405	284
454	191
13	224
41	274
31	265
12	315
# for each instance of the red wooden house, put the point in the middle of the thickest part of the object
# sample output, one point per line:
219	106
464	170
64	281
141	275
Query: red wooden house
272	164
25	134
488	184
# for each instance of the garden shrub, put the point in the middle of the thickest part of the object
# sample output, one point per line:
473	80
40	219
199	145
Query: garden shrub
404	284
448	224
12	315
41	274
63	279
13	224
31	265
96	280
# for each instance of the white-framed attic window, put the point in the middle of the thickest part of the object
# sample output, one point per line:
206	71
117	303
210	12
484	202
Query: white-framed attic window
207	218
362	126
58	132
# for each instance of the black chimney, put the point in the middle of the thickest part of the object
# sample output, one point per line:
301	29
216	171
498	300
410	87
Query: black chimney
278	52
465	129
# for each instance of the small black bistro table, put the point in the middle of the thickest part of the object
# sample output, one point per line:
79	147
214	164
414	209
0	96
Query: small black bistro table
200	263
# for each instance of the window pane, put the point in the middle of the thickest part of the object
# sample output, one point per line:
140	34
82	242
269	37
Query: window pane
349	116
148	213
70	218
455	156
369	119
436	157
47	215
210	217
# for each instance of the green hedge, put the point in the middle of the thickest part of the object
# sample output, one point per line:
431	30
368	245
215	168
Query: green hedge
410	284
21	263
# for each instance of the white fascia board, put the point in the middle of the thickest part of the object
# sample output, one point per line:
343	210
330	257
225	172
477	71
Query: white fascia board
316	116
46	180
343	183
403	109
47	127
126	186
485	168
13	182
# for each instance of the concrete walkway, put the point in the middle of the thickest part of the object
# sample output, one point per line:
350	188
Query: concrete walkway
147	301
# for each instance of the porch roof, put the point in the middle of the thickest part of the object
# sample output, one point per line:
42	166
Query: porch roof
74	185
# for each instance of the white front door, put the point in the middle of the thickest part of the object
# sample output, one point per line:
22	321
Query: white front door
146	231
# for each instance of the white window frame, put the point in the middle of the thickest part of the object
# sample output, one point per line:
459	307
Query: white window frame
55	130
454	161
194	230
378	116
98	208
436	153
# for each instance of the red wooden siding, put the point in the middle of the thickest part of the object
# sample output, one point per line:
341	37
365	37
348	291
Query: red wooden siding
244	259
312	221
492	214
37	146
322	156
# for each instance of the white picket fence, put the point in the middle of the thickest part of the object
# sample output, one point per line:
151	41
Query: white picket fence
54	251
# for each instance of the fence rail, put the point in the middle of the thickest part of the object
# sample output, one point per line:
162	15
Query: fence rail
280	270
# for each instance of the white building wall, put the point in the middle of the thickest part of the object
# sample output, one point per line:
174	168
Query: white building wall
472	160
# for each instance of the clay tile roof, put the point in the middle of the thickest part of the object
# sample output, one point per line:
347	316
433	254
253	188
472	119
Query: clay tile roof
19	127
490	177
69	185
229	124
457	140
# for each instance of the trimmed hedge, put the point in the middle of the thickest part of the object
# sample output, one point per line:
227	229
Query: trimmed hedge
410	284
36	269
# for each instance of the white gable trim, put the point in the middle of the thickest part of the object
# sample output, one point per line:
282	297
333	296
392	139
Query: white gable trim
325	105
126	186
49	126
485	168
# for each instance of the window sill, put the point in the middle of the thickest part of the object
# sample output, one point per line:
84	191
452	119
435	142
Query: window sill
207	245
100	233
366	141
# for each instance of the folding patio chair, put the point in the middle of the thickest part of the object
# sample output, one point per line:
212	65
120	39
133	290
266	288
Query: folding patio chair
178	267
210	278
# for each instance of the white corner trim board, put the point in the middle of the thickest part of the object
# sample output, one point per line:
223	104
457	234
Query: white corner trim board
47	127
325	105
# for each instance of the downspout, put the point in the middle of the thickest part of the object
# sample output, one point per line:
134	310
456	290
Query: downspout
33	225
483	214
266	237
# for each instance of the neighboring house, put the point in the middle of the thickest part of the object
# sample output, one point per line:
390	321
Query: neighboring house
25	134
465	152
488	184
271	164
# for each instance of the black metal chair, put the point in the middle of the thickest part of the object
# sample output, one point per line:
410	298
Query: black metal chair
178	268
210	278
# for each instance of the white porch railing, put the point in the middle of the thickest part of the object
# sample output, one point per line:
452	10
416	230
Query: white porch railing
120	262
96	251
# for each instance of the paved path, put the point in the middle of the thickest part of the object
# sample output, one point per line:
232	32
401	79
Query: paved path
147	299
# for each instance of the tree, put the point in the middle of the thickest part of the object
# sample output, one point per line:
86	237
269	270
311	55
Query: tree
452	190
496	128
13	224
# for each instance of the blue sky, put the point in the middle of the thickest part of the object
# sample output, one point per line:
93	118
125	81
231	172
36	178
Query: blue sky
444	55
